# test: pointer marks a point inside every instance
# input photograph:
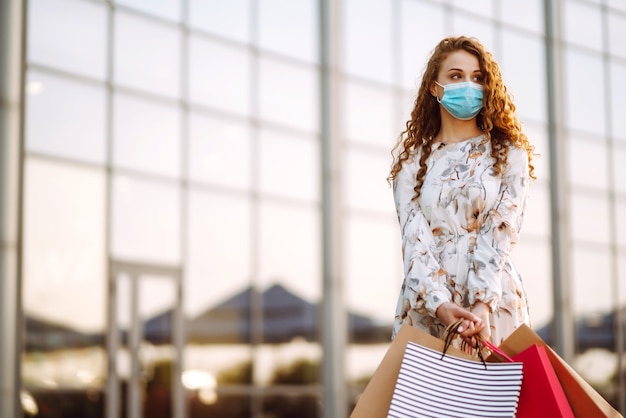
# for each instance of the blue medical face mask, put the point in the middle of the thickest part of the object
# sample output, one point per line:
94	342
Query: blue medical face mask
462	100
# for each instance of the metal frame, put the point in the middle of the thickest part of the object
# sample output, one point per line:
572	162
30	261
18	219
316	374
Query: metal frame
136	271
12	55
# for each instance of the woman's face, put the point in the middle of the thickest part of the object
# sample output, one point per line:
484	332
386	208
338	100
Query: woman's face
457	67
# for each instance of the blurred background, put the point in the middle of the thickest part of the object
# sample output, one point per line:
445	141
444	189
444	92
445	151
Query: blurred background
198	216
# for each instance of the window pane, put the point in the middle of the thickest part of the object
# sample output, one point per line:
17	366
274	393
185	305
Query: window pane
289	165
584	100
230	19
146	135
618	100
146	221
617	34
592	156
369	115
368	43
147	55
483	7
366	180
527	14
589	219
537	213
166	9
592	281
533	261
476	27
283	229
290	27
289	94
64	245
218	258
219	75
373	267
418	41
69	35
523	69
620	223
588	34
77	129
617	4
619	169
219	151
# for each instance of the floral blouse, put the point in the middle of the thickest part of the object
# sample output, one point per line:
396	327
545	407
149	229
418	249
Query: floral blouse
458	236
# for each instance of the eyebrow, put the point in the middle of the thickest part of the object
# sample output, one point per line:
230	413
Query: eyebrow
459	69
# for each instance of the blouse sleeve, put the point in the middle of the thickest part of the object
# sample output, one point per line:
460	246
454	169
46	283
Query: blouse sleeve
499	232
425	281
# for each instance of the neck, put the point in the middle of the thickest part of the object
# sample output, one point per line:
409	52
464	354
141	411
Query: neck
454	130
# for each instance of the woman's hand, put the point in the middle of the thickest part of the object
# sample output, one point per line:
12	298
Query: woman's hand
448	313
481	310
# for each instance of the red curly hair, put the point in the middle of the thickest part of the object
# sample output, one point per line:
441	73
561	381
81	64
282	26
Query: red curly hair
497	119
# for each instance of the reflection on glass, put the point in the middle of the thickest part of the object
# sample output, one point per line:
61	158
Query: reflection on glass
166	9
146	221
584	101
219	151
588	35
147	55
230	19
146	135
74	130
289	94
368	42
64	362
417	41
290	28
218	296
219	75
366	180
523	71
69	35
368	114
289	165
589	218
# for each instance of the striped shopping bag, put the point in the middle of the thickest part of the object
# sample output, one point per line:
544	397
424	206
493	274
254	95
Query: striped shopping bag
430	384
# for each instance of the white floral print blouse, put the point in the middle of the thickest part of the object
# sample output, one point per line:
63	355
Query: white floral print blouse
458	236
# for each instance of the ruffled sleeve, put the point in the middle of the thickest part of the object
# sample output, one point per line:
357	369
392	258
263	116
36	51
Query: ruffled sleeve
499	232
425	281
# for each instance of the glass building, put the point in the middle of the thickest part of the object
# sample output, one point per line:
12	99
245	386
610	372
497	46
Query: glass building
195	214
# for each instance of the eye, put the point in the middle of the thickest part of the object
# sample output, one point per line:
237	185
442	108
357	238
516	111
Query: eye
478	78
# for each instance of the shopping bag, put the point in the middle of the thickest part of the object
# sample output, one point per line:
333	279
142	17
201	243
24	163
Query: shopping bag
376	397
541	394
434	385
584	400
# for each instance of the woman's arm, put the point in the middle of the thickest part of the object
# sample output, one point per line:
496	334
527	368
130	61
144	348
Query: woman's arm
499	233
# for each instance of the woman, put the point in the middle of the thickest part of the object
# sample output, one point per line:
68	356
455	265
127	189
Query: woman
460	177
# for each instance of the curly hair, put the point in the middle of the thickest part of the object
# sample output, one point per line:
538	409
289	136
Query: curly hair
497	119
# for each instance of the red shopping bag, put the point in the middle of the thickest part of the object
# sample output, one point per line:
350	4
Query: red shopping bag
542	394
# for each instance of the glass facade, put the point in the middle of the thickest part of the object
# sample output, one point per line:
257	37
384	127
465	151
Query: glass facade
172	218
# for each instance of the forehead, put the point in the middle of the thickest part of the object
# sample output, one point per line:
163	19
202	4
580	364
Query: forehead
460	59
